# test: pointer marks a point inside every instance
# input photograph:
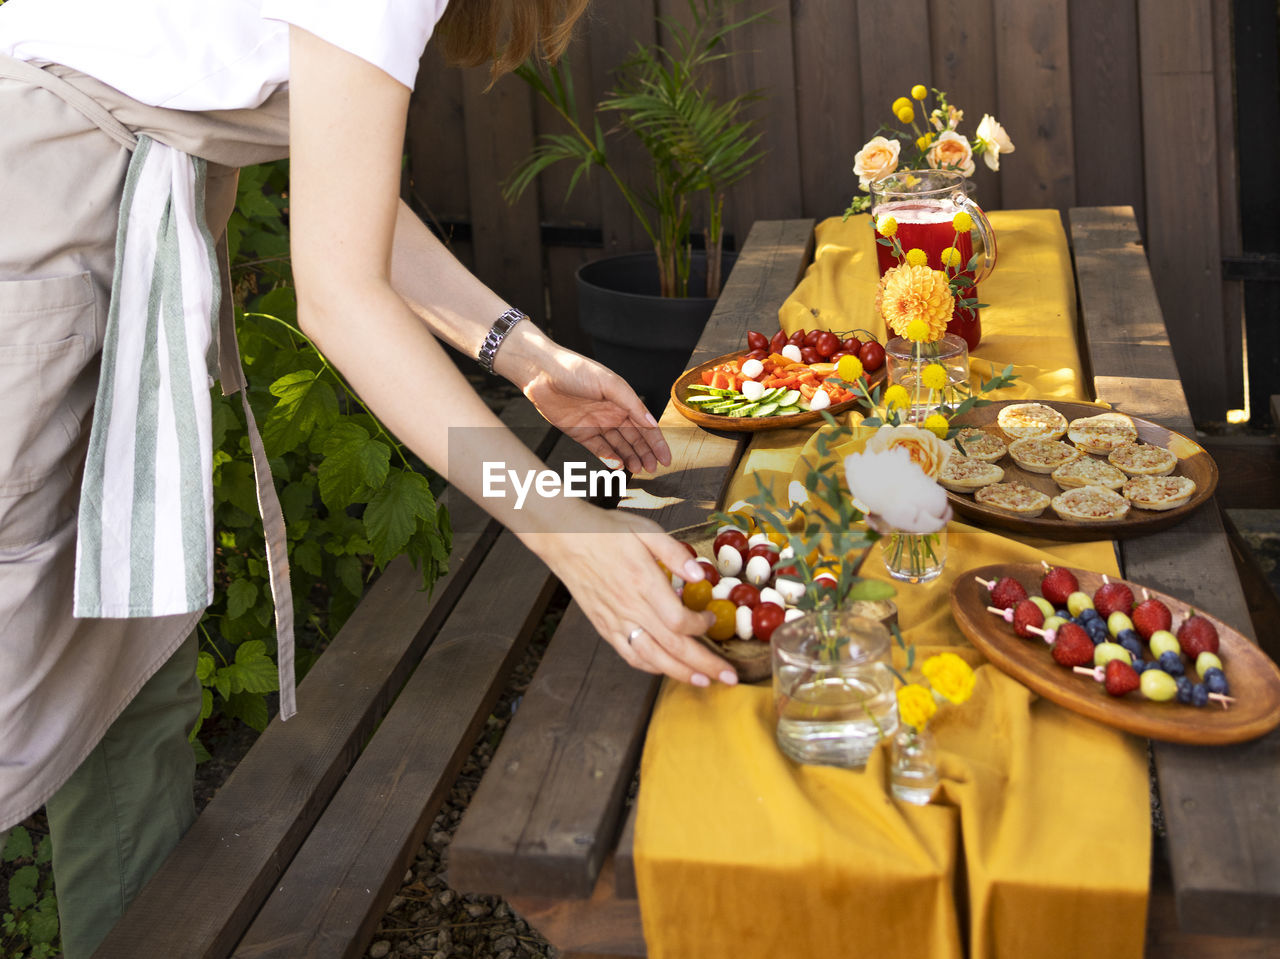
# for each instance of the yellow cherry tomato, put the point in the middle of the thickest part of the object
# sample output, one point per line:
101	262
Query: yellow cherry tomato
726	618
696	595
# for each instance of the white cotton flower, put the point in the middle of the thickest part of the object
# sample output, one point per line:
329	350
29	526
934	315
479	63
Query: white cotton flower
893	488
994	141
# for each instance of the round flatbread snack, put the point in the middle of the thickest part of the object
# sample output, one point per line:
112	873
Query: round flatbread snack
964	474
1143	459
1032	420
978	444
1159	492
1102	433
1090	504
1037	455
1013	498
1087	471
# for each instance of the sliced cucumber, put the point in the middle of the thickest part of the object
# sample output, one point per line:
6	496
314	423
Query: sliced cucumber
713	390
746	410
788	410
701	400
765	409
789	398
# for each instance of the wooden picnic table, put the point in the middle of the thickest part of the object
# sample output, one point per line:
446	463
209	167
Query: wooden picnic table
550	827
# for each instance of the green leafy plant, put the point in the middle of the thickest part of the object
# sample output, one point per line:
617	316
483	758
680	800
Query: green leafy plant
353	497
698	144
29	921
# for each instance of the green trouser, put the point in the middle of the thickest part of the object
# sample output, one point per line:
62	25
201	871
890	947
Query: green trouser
126	806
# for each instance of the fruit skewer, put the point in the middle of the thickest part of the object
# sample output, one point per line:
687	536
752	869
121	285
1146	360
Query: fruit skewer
1098	673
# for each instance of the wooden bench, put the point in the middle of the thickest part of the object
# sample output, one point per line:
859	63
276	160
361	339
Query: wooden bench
301	849
548	826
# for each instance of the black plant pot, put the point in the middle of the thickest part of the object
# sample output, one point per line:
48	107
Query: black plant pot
645	338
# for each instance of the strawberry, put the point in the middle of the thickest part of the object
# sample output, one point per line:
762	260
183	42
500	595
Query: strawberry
1025	614
1151	615
1007	593
1112	598
1072	646
1197	635
1057	585
1121	678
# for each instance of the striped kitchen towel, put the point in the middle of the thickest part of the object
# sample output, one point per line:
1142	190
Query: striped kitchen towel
145	527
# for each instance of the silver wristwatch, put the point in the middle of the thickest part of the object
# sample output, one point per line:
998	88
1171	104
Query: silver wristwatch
497	333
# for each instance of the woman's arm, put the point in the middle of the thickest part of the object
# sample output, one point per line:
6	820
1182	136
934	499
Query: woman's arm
586	400
346	130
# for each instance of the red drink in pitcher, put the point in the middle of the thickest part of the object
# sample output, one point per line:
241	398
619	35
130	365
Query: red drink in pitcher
924	203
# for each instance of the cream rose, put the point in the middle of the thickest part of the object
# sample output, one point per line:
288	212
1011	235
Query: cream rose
923	446
994	141
895	492
951	151
877	158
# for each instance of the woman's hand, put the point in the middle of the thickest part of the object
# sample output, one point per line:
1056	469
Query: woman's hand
595	407
609	562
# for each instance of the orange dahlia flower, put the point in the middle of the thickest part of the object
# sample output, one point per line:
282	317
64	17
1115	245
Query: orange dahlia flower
910	293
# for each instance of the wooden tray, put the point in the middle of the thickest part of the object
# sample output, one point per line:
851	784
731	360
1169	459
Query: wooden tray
1254	678
751	424
1193	462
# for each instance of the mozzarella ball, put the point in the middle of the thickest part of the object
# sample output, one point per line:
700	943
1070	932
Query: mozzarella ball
751	369
758	570
820	400
742	622
759	539
729	561
792	352
792	614
791	590
722	589
771	595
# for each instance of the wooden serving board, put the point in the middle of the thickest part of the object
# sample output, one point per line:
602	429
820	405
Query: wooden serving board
1193	462
751	424
1253	677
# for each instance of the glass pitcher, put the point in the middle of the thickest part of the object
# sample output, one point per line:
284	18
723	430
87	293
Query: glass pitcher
924	203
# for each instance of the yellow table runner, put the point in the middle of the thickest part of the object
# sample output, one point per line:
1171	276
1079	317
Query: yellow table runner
1038	843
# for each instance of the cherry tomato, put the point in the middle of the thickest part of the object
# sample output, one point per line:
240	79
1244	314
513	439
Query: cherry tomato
826	344
726	615
835	357
872	355
757	341
811	338
766	550
708	567
756	355
696	595
731	537
765	618
689	546
778	342
797	338
744	594
809	355
787	572
851	345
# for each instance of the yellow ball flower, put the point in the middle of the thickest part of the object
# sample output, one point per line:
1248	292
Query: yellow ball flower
962	222
918	92
923	143
934	376
950	256
896	396
915	299
906	114
950	676
886	226
916	256
899	103
849	368
915	705
937	424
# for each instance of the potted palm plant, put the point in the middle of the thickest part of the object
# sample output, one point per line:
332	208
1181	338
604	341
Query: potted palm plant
645	311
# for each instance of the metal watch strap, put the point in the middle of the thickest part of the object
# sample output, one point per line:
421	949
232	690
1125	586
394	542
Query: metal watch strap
497	333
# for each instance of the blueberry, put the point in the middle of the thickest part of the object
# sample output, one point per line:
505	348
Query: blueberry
1216	682
1199	695
1089	615
1171	663
1124	635
1140	664
1065	614
1133	644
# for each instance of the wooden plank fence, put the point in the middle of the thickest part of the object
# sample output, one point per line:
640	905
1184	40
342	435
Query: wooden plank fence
1109	102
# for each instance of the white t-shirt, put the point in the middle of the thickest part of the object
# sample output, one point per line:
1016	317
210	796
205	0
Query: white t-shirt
211	54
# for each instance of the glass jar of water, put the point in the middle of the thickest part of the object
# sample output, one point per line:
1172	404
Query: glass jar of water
832	687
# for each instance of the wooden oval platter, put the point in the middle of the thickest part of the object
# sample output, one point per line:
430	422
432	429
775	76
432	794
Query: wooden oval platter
1193	462
1254	679
750	424
751	659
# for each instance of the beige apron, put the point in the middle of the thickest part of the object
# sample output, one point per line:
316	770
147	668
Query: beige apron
64	149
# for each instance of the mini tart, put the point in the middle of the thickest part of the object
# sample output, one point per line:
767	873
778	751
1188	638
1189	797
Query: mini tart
1013	498
1032	420
1102	433
979	445
1159	492
1087	471
1042	455
1090	504
964	474
1143	459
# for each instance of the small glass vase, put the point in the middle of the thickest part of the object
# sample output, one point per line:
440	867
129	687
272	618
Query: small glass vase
913	765
832	687
907	362
915	557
